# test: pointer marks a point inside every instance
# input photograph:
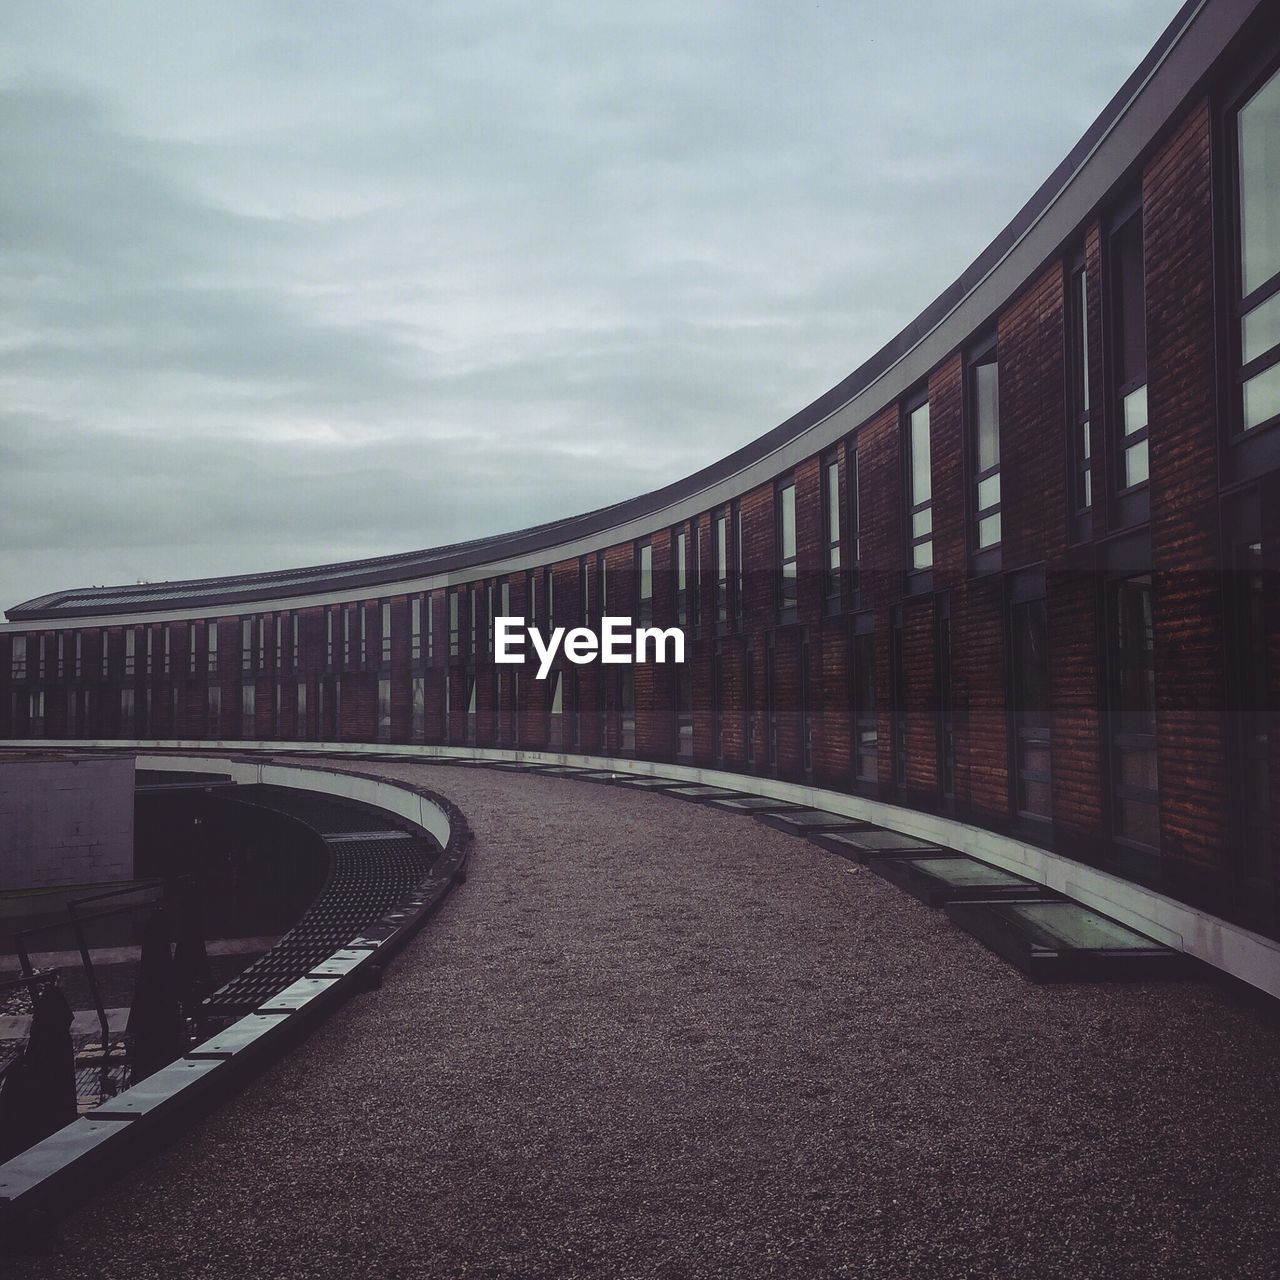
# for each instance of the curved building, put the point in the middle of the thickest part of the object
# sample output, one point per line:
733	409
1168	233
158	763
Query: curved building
1015	572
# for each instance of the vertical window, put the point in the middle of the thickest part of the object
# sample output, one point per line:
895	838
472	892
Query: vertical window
1133	721
35	713
697	579
584	593
898	701
79	656
722	568
1030	657
295	652
831	533
126	713
418	716
211	648
644	583
863	685
488	616
473	612
277	702
301	725
262	644
684	714
603	573
717	700
787	559
531	594
214	726
384	708
130	651
920	479
771	702
415	629
280	624
806	708
348	639
454	608
18	660
550	577
1129	329
168	649
984	411
386	631
1258	282
506	599
627	707
1253	682
739	567
555	709
362	656
681	544
329	636
61	657
1078	412
749	703
105	643
248	709
471	709
246	644
431	627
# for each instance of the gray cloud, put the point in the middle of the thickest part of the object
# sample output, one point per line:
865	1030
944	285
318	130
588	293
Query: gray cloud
285	284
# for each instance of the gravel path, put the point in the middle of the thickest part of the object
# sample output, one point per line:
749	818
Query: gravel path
646	1039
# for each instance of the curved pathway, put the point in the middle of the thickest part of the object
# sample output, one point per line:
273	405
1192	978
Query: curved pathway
648	1039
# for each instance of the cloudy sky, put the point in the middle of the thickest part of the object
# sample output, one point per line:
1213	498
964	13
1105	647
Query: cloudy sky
287	283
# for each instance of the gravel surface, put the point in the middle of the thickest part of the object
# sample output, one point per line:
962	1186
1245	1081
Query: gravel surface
648	1039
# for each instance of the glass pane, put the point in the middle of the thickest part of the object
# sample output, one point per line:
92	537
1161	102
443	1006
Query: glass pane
921	480
1135	410
1077	926
646	573
1262	397
989	530
1140	821
1135	643
1259	133
922	555
922	522
1088	489
1082	319
1136	464
989	492
1261	329
833	501
986	397
788	517
1138	767
681	563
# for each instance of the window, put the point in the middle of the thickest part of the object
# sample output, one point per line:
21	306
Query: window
984	411
584	593
473	607
18	660
739	567
550	578
35	713
248	709
276	707
384	709
771	702
262	644
806	696
418	716
348	638
487	634
211	648
946	710
455	606
213	727
295	650
1030	654
329	626
555	709
833	581
787	559
1253	681
603	573
415	629
722	568
471	709
104	639
1079	447
62	654
127	728
1129	333
1133	720
168	649
531	594
280	625
386	631
79	657
645	584
1258	280
717	700
921	487
863	687
246	645
506	599
627	707
898	701
130	651
681	543
431	630
697	579
362	657
749	703
684	714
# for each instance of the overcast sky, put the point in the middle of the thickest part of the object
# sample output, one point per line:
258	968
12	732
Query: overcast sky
288	283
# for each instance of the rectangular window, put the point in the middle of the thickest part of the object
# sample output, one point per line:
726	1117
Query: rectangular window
920	490
1129	330
473	611
771	702
295	650
386	631
415	629
984	415
418	721
644	584
684	714
471	709
739	567
488	616
550	578
749	703
348	637
1030	661
363	657
168	649
61	654
584	593
248	709
35	713
1258	281
627	707
384	709
603	563
329	625
531	594
127	728
806	709
262	644
946	710
1078	412
863	687
302	709
697	579
455	608
833	578
18	659
246	644
130	651
104	638
213	728
555	710
506	599
898	701
788	581
681	543
722	568
79	656
276	707
280	629
431	628
1133	719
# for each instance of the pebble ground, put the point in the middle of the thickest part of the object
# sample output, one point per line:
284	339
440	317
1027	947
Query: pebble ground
649	1040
